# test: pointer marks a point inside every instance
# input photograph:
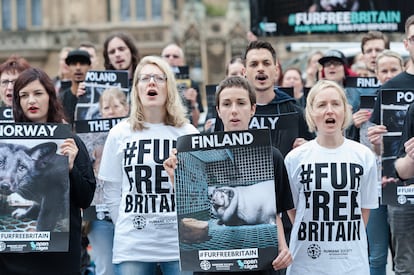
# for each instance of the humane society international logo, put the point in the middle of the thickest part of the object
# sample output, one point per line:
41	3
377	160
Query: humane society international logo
139	222
205	265
314	251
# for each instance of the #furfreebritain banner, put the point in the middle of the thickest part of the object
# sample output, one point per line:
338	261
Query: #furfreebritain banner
292	17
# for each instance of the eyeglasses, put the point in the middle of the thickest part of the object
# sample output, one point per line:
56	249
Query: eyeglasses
175	56
411	39
158	78
6	82
332	62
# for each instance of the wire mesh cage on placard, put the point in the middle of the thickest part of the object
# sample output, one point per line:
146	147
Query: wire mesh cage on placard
200	172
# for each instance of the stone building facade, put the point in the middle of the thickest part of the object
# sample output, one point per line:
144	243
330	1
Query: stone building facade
38	29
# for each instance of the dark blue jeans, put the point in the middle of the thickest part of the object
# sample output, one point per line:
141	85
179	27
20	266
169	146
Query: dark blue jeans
378	232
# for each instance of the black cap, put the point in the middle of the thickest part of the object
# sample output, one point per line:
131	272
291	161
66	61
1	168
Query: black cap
78	56
333	55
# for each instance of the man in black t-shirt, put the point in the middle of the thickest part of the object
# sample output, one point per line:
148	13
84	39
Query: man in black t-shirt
79	63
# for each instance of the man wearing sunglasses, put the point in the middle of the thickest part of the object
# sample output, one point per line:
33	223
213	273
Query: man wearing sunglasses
174	55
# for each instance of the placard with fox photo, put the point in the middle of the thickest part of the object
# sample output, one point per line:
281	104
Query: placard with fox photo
34	188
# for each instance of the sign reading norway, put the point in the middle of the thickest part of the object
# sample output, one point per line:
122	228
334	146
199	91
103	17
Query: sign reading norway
34	193
226	205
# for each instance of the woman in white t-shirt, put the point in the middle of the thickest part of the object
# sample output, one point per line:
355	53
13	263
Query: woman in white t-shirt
333	182
137	191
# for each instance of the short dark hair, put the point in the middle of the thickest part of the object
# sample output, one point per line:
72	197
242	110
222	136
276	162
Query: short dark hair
55	112
129	41
236	81
373	35
260	44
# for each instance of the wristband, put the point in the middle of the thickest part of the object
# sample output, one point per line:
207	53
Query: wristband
195	107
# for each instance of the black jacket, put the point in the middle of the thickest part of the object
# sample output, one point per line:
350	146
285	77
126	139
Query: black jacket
82	188
282	139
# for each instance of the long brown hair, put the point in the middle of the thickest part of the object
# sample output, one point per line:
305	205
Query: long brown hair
129	41
55	112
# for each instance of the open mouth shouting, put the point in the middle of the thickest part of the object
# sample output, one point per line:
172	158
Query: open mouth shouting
152	93
8	100
330	120
261	77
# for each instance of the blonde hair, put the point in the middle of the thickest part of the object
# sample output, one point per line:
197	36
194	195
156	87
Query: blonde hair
319	86
389	53
175	110
111	94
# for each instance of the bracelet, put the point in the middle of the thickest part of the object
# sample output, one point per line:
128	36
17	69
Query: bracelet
195	107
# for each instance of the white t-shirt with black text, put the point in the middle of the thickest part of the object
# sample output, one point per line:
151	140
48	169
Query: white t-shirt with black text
139	194
329	188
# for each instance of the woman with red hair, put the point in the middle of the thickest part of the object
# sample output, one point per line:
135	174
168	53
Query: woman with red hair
335	67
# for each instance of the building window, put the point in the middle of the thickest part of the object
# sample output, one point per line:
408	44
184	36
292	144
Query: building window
125	10
36	13
21	15
6	15
140	9
156	9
